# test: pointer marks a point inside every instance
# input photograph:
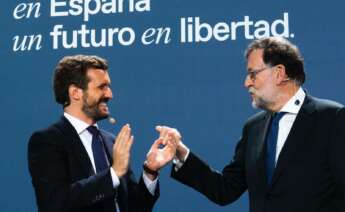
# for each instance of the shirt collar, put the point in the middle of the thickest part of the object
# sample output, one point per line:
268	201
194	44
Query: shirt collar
295	103
79	125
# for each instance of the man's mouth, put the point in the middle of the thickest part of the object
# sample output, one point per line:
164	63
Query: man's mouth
251	92
103	105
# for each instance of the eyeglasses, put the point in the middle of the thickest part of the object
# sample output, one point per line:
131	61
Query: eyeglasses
253	73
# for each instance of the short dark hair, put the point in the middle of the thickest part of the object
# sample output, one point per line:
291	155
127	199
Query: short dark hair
72	70
277	50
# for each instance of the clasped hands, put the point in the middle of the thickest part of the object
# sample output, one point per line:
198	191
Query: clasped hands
162	151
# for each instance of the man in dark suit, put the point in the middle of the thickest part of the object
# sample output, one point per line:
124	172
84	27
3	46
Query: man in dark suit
74	165
290	157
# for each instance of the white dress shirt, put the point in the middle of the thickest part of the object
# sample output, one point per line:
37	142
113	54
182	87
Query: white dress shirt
291	108
86	138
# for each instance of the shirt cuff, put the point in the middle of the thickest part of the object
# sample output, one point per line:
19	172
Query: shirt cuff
115	178
178	163
150	185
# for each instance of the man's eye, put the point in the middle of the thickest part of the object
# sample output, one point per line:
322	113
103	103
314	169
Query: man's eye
102	87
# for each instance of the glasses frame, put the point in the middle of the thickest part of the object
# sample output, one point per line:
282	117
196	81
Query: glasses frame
254	72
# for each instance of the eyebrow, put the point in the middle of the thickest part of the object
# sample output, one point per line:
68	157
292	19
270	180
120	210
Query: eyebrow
104	84
254	69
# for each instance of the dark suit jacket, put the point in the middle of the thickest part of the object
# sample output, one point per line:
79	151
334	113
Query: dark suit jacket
64	179
310	172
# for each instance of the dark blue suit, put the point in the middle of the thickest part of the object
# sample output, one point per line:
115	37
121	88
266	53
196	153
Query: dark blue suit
309	175
64	179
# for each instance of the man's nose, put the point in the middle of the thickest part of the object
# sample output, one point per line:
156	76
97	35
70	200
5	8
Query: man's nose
108	93
248	82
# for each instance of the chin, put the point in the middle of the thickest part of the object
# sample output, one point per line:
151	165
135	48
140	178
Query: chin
101	116
104	116
254	105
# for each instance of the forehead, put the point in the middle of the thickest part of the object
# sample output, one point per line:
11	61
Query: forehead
255	60
98	76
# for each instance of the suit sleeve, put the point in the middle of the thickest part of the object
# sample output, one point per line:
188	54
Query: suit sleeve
220	187
139	197
50	177
133	196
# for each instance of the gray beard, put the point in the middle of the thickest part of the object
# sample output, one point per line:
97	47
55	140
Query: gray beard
260	104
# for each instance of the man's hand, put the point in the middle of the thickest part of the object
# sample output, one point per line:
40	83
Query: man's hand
121	151
161	152
181	150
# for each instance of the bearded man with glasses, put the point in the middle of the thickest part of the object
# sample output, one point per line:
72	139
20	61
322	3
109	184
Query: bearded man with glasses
290	157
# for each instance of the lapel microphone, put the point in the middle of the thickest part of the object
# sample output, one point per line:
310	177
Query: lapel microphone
112	120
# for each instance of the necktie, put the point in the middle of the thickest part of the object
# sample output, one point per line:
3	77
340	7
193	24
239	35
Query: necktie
271	144
98	149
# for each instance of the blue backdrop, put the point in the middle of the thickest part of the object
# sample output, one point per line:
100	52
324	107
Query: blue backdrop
196	87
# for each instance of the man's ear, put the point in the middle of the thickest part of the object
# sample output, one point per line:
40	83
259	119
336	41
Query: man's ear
75	93
281	74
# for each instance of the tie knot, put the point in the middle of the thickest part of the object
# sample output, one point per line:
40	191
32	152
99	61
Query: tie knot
278	116
93	130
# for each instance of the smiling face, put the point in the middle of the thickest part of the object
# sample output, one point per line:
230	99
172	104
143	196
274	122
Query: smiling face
261	85
97	94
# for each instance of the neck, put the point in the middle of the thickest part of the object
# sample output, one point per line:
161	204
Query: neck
284	95
79	114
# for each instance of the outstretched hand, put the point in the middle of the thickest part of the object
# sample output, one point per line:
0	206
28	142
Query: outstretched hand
162	152
181	149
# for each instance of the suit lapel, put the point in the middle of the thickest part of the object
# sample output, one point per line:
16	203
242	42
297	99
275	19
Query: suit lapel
298	134
77	147
260	135
255	138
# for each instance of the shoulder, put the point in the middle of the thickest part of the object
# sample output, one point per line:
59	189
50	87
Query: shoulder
323	111
323	106
50	134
